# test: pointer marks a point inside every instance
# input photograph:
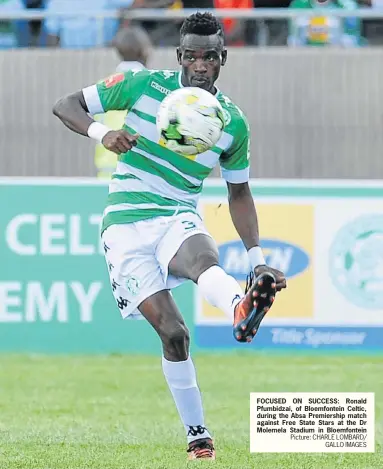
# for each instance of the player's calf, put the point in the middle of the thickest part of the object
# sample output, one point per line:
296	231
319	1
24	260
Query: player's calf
163	314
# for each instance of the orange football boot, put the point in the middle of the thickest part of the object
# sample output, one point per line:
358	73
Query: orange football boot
249	312
201	449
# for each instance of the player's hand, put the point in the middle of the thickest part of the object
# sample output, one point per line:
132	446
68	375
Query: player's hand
119	141
279	276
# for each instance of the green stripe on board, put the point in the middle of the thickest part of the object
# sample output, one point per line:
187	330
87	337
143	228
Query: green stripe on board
142	198
130	216
290	191
213	190
145	164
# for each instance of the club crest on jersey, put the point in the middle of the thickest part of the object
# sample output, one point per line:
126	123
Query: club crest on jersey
113	80
168	74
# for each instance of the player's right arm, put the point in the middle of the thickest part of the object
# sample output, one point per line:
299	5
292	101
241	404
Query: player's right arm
73	113
114	93
235	166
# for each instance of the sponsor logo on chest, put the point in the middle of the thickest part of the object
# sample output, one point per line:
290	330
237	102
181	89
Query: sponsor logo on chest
159	88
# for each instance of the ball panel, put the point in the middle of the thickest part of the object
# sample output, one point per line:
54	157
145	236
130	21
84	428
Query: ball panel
190	121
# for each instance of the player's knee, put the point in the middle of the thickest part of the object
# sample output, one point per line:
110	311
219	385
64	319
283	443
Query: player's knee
175	339
177	334
203	261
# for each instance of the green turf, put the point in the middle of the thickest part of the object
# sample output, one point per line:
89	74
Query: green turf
116	412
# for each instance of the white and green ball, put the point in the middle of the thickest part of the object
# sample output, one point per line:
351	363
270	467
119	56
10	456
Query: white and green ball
190	121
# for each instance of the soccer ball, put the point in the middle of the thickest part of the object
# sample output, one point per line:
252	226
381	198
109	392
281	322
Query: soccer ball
190	121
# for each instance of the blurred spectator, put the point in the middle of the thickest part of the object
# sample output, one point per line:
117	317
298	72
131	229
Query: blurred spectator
373	28
324	30
272	3
162	33
9	29
235	30
198	4
31	31
133	46
276	29
80	31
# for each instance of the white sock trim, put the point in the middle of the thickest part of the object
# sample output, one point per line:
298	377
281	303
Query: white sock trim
220	289
181	374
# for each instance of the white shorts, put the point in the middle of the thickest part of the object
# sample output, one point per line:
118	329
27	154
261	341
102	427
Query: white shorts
138	256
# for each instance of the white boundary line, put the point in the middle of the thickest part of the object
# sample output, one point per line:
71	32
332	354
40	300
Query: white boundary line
51	181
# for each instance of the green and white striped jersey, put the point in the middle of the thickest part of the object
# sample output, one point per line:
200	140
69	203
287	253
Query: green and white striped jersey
151	180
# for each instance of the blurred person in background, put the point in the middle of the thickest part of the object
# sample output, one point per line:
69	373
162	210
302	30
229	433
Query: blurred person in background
252	32
372	28
80	31
276	29
9	30
133	46
325	30
162	33
198	4
31	31
235	30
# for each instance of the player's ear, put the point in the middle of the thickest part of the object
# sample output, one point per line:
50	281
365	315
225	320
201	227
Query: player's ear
179	55
224	57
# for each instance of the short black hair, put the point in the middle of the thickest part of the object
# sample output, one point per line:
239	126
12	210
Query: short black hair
203	24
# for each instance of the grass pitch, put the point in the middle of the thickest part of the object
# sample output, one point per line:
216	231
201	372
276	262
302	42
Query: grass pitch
116	412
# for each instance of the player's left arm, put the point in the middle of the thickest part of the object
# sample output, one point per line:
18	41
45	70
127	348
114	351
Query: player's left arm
235	166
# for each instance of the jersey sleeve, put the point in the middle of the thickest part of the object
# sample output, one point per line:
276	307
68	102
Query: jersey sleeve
118	92
235	161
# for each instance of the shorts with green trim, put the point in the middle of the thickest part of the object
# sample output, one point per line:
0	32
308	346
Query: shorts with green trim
138	255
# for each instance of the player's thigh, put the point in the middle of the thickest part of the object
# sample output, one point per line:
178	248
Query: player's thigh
196	254
134	271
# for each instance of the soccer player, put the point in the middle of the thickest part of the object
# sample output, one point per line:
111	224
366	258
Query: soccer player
153	237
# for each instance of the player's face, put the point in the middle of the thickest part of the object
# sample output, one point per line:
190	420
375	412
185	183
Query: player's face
201	58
